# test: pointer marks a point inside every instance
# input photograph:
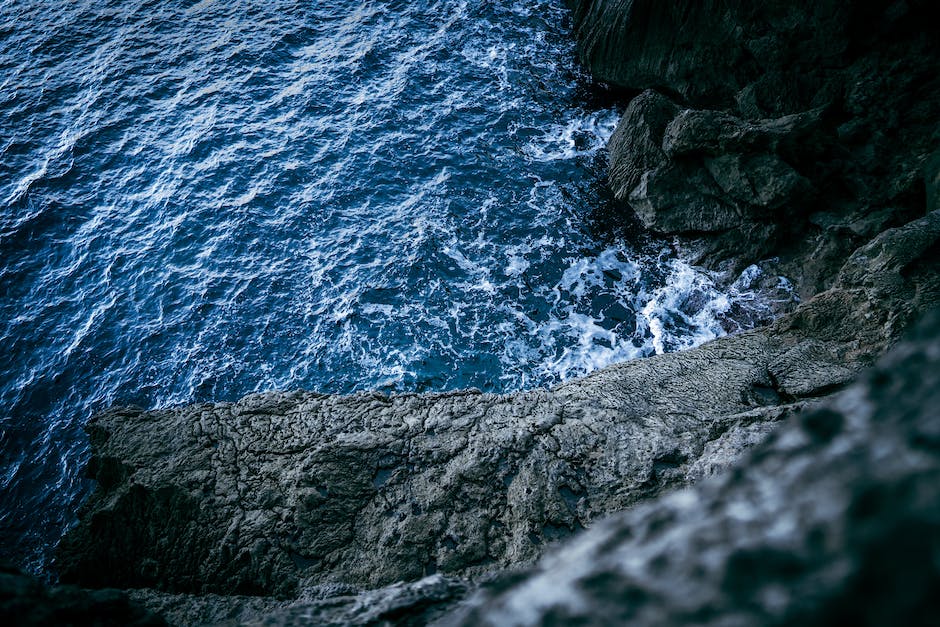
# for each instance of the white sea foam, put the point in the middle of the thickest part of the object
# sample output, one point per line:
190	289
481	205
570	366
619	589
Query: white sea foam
580	136
360	195
685	309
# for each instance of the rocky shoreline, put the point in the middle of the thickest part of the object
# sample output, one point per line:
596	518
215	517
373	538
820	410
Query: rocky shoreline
802	133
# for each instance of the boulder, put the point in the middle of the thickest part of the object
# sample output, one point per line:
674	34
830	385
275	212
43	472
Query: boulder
685	171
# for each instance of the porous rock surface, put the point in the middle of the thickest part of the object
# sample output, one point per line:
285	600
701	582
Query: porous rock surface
833	520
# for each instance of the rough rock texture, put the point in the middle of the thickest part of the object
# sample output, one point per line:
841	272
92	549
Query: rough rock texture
257	496
403	604
768	56
27	602
833	520
278	492
692	171
796	129
804	130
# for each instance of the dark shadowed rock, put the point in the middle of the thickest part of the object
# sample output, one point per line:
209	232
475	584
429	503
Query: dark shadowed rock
805	127
27	602
636	147
833	520
782	52
932	180
707	172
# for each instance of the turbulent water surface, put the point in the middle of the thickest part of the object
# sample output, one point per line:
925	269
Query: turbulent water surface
202	200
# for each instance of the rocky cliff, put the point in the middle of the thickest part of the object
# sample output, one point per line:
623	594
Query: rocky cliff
803	131
278	489
833	520
789	128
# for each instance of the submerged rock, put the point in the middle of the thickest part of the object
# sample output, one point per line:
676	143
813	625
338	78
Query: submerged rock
833	520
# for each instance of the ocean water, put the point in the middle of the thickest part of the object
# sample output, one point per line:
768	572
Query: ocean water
199	200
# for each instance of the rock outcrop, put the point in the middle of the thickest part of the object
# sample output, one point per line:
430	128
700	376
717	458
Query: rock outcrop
279	492
796	129
801	130
833	520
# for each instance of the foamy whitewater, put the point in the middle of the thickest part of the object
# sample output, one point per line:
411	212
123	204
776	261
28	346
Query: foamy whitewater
203	200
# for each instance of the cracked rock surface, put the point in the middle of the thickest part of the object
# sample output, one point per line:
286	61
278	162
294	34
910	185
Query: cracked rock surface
833	520
282	491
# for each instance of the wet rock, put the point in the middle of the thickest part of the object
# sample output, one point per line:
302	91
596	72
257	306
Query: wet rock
715	133
679	199
833	519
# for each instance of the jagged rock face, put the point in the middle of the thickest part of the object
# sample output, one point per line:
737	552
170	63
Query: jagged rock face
833	520
281	491
783	52
794	129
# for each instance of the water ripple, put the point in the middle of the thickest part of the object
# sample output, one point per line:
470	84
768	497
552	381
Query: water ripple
199	200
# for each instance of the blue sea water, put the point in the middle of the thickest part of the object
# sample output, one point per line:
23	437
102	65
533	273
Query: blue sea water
199	200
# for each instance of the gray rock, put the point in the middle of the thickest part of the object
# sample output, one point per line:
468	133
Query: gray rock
833	519
810	368
415	603
761	181
717	133
282	491
681	198
708	172
791	109
636	147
